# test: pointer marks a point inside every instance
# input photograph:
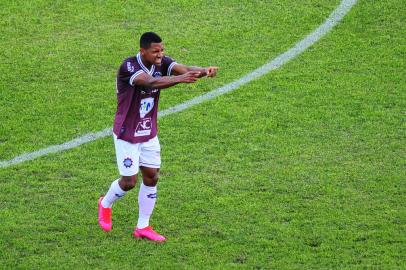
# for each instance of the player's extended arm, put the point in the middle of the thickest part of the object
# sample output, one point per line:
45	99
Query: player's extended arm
179	69
164	82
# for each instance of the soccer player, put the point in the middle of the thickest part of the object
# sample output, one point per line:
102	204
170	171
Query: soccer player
139	81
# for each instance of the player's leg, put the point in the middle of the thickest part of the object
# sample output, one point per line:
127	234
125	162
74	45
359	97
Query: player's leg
118	189
150	162
127	156
147	195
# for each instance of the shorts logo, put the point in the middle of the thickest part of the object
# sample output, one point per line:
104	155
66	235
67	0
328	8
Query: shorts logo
128	162
146	106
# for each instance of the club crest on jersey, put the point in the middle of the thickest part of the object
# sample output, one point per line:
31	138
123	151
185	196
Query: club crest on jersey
128	162
146	106
122	129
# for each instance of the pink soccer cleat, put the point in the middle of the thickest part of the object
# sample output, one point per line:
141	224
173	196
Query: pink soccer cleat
104	217
148	233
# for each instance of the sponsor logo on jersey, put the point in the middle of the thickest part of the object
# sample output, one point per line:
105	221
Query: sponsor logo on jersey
143	128
146	106
157	74
149	92
130	67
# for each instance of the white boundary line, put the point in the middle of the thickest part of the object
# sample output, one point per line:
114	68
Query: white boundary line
334	18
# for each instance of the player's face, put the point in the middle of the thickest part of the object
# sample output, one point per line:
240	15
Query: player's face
154	54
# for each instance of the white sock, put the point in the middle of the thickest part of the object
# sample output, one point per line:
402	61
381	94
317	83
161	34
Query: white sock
146	203
115	192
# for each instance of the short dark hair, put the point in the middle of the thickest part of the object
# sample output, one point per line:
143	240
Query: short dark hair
147	38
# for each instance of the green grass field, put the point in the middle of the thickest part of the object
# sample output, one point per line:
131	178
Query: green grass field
303	168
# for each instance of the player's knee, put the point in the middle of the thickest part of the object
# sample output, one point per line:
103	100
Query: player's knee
128	182
151	179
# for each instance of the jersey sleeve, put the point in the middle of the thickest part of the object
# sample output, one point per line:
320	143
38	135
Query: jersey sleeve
167	65
129	71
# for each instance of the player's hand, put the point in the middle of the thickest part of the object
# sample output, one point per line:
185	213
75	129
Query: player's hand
211	71
190	77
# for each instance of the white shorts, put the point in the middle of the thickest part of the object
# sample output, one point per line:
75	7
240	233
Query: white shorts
132	155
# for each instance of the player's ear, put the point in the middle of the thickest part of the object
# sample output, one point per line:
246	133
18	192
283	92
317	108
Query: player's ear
142	50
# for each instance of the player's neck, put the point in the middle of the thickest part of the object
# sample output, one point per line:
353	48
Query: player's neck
146	64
